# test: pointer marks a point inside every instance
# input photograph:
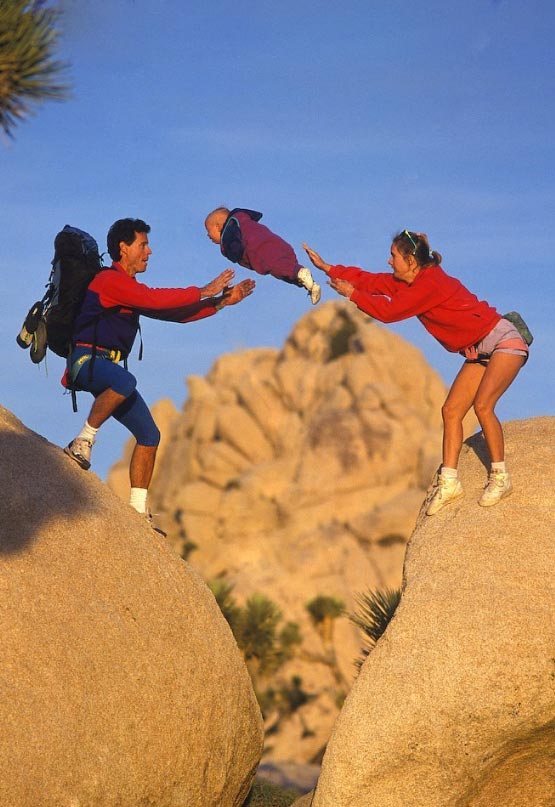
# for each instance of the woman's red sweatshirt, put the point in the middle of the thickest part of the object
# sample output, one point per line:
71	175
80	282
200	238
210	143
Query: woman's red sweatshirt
451	313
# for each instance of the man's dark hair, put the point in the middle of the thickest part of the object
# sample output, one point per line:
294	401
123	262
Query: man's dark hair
124	230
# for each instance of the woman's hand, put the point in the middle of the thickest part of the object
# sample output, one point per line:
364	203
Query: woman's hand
316	260
217	285
342	287
234	294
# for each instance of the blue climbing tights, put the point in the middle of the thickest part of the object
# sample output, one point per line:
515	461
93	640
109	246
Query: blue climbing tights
133	413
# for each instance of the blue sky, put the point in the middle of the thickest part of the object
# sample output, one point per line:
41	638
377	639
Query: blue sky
342	123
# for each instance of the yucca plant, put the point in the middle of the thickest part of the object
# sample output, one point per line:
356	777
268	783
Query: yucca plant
29	73
257	633
375	610
323	612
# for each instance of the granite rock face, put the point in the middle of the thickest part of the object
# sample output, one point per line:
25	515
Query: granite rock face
455	707
121	682
299	473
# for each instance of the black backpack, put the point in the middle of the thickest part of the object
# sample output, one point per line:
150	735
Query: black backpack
49	322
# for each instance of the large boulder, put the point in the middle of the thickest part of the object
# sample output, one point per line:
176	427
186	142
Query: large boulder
455	707
121	682
299	473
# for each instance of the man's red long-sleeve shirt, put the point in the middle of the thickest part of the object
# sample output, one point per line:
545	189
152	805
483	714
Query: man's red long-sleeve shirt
114	288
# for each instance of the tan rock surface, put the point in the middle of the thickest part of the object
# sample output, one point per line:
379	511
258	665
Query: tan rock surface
455	707
299	472
121	682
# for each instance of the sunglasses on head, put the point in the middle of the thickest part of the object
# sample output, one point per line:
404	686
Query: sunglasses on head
411	239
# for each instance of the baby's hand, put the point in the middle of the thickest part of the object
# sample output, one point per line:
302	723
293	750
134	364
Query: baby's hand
316	260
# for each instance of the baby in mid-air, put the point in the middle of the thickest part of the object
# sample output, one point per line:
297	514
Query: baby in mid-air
245	241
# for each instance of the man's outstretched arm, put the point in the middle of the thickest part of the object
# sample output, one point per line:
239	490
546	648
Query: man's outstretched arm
217	285
204	308
235	294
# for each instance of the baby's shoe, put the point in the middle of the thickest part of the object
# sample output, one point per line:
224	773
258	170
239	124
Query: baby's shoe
305	278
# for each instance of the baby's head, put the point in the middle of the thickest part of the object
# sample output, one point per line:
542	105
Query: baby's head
214	223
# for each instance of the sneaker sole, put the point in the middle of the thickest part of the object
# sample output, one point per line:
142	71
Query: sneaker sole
451	500
315	294
491	504
82	463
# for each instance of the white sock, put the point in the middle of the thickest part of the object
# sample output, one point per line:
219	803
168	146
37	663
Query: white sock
87	433
137	499
499	466
449	473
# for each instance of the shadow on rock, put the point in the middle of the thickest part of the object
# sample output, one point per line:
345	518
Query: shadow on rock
34	472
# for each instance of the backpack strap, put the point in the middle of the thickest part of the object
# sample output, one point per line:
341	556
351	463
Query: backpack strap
141	346
103	314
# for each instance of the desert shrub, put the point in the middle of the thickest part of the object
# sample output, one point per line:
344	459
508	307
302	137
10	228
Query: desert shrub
266	794
323	607
375	611
323	612
283	699
265	644
257	632
222	591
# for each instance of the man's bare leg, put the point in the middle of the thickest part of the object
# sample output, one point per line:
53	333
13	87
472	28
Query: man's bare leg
103	407
142	466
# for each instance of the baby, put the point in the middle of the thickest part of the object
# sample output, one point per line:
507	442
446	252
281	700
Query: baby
245	241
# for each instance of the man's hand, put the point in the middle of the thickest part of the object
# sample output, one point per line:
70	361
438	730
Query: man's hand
318	262
234	294
218	284
342	287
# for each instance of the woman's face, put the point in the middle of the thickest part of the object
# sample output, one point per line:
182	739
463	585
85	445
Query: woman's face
404	267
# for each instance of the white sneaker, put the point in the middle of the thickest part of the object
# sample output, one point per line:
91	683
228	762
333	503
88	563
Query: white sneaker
80	451
304	276
499	485
448	490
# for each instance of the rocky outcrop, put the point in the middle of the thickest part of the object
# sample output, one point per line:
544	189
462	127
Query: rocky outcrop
300	472
121	682
455	707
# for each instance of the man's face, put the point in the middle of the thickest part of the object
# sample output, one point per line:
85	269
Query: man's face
134	257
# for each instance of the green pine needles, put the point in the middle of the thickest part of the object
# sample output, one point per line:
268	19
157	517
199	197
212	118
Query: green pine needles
29	73
375	611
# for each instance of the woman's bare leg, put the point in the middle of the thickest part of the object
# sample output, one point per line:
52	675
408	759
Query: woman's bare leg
499	375
459	400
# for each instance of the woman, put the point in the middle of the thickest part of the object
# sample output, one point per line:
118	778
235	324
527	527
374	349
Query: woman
493	348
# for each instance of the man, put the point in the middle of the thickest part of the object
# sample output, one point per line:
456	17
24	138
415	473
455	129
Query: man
103	335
